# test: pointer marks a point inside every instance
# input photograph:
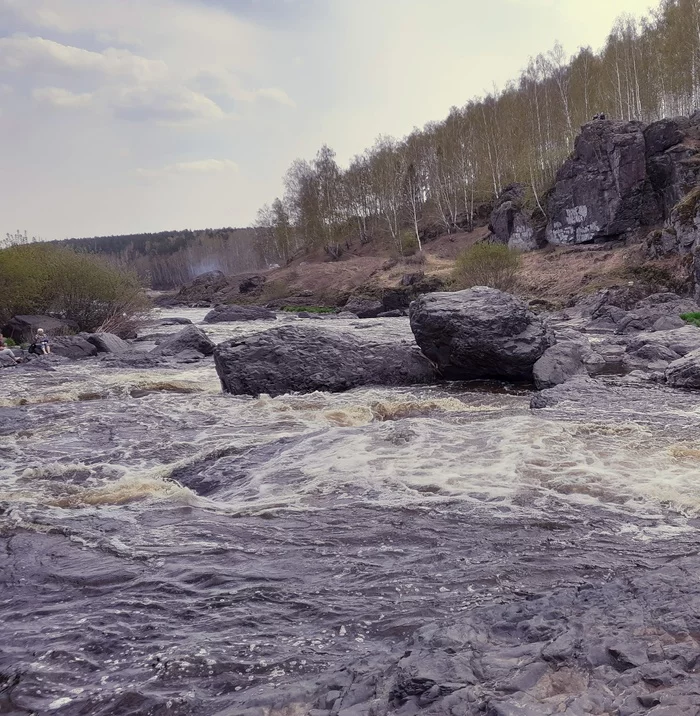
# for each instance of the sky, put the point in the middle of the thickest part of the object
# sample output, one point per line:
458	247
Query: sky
130	116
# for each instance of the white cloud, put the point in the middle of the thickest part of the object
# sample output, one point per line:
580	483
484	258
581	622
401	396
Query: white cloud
276	95
200	166
21	53
62	98
165	104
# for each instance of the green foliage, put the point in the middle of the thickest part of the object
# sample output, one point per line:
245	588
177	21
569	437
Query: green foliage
692	318
493	265
308	309
51	279
409	243
10	343
687	207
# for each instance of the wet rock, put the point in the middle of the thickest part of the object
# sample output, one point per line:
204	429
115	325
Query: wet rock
559	363
479	333
232	314
301	358
189	356
73	347
108	343
396	313
678	340
22	329
684	372
364	307
133	359
602	190
189	338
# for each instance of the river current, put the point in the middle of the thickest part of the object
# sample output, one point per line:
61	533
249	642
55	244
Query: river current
169	549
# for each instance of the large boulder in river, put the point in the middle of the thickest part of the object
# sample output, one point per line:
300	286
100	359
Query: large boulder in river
232	314
684	372
364	307
108	343
602	190
479	333
189	338
22	329
559	363
303	358
74	347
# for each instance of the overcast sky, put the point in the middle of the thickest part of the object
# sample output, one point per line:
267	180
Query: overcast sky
124	116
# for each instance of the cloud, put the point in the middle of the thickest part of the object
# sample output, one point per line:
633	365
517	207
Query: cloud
200	166
21	53
62	98
276	95
164	104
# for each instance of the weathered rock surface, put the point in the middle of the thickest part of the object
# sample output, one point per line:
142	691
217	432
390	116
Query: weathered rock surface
174	321
108	343
22	329
299	358
479	333
203	289
684	372
512	224
559	363
189	338
232	314
252	285
74	347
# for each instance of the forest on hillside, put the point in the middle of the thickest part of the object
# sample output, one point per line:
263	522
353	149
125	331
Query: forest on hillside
432	181
169	259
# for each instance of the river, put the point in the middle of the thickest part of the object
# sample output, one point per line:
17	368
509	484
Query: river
169	549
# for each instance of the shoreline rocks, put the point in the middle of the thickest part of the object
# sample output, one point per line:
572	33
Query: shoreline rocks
232	314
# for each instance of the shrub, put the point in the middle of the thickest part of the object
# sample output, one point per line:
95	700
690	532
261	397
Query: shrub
692	318
409	243
51	279
10	343
493	265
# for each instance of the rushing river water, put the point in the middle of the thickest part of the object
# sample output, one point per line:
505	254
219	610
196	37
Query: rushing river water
168	549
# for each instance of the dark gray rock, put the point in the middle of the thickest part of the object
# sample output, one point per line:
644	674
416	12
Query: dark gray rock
22	329
301	358
233	314
252	285
108	343
602	190
396	313
479	333
133	359
559	363
189	338
174	321
203	288
364	307
684	372
679	340
512	224
73	347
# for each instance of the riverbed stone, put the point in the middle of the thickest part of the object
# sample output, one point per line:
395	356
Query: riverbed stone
108	343
233	314
558	364
189	338
305	358
479	333
74	347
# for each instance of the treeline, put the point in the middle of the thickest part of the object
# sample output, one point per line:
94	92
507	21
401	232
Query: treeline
434	180
170	259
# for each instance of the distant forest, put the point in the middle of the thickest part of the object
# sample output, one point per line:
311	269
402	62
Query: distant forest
170	259
400	191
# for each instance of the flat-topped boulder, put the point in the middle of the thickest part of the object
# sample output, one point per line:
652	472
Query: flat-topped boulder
305	358
232	314
74	347
479	333
108	343
22	329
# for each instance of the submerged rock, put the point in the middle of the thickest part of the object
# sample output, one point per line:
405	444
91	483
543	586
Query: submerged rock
302	358
479	333
189	338
231	314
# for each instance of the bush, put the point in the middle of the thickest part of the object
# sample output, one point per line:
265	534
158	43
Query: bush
493	265
10	343
409	243
54	280
692	318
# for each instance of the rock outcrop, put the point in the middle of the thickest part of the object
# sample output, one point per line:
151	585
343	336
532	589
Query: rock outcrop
22	329
364	307
684	372
479	333
559	363
233	314
301	358
189	338
511	223
203	288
